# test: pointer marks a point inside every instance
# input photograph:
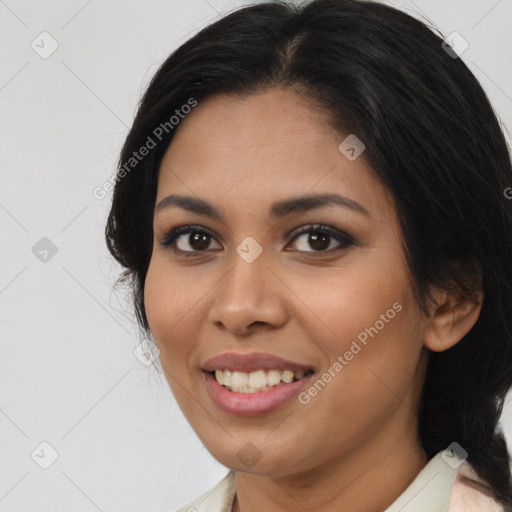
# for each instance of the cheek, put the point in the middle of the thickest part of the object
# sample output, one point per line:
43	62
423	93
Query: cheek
156	299
175	302
368	318
168	312
343	304
165	299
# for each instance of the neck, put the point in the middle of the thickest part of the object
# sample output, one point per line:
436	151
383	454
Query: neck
366	479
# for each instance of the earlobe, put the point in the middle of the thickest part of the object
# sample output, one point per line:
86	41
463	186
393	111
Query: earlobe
451	321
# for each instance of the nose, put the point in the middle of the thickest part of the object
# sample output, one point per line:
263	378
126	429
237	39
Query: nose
250	296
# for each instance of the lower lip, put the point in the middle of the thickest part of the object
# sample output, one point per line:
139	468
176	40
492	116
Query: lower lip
253	404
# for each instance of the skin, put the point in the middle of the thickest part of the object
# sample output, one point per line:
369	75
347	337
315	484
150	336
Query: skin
360	432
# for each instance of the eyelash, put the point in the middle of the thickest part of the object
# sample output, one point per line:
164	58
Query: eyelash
343	238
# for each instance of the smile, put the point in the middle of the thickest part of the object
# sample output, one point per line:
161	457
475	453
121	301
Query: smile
256	401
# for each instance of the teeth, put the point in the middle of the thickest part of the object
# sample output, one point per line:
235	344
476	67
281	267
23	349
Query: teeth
274	377
287	376
240	380
261	380
257	379
219	375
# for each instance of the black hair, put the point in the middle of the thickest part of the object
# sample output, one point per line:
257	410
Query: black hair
431	137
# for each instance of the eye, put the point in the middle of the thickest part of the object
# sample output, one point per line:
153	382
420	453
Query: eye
320	238
199	239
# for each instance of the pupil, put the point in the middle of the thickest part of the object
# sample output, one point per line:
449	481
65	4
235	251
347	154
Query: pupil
316	236
201	240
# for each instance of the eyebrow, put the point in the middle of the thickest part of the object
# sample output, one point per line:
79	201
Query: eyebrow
278	209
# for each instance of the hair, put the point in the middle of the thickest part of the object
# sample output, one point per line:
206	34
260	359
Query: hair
431	137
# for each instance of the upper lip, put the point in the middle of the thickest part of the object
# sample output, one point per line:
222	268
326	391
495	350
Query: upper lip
251	363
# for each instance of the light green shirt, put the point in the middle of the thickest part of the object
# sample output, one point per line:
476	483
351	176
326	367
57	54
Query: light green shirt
438	487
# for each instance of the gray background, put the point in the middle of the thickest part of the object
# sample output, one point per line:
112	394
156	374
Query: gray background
68	374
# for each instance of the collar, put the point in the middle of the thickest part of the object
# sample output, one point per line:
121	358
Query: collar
430	491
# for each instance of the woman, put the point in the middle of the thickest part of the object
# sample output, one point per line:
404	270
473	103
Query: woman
318	240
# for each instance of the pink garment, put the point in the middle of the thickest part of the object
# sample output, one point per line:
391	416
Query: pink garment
465	498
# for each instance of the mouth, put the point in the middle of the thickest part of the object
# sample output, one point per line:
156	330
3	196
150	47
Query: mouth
255	383
263	398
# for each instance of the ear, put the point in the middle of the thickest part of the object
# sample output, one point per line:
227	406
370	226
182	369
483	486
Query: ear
452	319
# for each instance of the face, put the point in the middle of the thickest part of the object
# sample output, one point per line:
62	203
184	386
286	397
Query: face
336	299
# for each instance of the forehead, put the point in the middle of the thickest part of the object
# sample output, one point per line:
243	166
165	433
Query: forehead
274	118
270	145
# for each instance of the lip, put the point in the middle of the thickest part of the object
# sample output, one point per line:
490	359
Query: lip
253	404
251	363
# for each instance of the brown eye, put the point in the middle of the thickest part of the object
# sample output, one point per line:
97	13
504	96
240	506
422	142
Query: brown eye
320	238
198	239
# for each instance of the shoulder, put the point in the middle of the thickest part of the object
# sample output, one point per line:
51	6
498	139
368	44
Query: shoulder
219	498
470	493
